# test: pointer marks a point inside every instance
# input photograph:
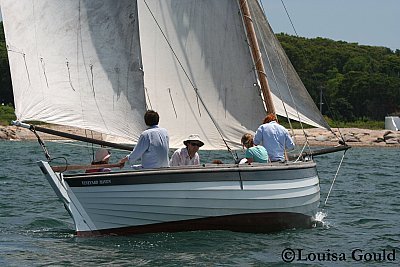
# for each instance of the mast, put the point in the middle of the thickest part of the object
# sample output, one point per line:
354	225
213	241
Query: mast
256	54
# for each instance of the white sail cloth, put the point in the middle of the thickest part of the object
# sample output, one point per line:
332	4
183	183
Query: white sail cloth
79	63
76	63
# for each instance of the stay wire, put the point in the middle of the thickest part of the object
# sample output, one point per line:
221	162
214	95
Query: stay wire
281	63
191	83
334	178
334	120
41	143
294	29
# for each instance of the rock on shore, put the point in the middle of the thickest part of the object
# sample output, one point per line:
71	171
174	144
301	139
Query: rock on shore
315	136
352	136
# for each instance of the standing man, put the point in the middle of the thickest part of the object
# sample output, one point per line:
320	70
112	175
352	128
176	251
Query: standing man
153	144
274	137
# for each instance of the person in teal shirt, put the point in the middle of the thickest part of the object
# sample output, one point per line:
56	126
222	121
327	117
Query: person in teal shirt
253	153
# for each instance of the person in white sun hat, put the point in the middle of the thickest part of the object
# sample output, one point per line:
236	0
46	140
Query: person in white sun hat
187	155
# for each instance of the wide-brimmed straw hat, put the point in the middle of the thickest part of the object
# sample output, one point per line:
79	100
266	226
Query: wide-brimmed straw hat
193	137
101	155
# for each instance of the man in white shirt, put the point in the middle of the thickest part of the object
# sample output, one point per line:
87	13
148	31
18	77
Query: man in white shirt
153	145
187	155
274	137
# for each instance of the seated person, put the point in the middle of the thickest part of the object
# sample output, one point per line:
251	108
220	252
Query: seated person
253	153
187	155
102	156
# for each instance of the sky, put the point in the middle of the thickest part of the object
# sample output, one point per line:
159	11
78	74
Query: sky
366	22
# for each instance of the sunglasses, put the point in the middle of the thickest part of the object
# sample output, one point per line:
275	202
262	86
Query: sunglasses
195	144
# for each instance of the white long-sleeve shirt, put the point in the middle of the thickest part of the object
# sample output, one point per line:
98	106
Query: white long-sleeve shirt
181	158
152	148
275	138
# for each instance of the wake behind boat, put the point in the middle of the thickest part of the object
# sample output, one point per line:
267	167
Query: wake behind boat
210	67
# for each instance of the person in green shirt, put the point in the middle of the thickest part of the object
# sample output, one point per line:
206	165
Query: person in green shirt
253	153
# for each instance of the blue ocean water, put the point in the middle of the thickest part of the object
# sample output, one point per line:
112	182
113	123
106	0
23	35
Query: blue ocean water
360	222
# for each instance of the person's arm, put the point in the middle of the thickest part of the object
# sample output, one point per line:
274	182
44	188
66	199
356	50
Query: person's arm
249	156
137	152
289	141
175	159
258	136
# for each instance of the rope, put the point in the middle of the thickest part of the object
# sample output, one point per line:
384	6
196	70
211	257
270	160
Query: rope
191	83
41	143
290	19
334	178
274	42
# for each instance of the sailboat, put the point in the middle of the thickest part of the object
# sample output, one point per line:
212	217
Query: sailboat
209	67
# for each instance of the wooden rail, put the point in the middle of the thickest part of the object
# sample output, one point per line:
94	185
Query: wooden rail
84	167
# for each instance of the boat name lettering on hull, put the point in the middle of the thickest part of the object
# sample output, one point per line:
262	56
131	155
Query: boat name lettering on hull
96	182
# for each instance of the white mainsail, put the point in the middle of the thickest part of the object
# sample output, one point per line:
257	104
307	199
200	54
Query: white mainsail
79	63
209	40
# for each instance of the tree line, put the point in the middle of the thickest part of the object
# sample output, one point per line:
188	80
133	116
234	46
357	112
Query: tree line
358	82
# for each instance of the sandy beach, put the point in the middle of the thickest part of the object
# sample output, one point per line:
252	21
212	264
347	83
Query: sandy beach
316	137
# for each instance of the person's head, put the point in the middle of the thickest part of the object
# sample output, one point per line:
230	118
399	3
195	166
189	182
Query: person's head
102	156
270	117
247	140
151	118
193	142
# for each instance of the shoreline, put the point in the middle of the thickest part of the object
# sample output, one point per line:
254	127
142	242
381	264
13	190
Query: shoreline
354	137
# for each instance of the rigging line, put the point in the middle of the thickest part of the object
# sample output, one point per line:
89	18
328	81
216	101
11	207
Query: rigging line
294	29
276	82
290	19
172	101
197	101
148	98
291	96
26	67
69	75
41	143
335	121
44	71
190	81
92	81
334	178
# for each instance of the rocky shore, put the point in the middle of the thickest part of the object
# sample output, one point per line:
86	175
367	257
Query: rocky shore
316	137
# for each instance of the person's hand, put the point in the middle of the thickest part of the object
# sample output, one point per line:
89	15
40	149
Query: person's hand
122	162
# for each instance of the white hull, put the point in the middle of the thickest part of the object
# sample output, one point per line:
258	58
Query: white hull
257	198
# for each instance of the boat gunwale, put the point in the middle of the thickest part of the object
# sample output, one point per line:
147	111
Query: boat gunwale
205	168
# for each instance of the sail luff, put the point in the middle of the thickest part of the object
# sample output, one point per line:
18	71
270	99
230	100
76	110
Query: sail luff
257	58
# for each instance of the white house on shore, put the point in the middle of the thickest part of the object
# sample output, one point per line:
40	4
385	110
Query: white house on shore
392	123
